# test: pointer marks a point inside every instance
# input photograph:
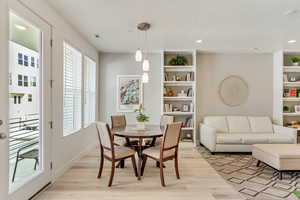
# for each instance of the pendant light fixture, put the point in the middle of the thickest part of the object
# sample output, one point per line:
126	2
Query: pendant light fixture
139	55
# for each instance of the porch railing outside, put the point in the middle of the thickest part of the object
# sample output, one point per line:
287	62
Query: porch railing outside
22	132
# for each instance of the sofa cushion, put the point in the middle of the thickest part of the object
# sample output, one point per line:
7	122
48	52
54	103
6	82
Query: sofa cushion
238	124
251	138
280	139
217	122
229	139
260	124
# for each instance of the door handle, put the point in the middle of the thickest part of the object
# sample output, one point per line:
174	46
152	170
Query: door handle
3	136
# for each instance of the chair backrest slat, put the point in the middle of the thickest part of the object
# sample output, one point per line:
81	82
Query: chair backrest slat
172	135
118	121
105	136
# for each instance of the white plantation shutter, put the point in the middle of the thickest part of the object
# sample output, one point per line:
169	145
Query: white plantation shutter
72	89
89	91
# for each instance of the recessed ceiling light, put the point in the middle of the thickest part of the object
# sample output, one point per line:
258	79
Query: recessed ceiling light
292	41
199	41
20	27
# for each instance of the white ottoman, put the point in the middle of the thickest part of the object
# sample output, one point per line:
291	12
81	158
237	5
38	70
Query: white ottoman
282	157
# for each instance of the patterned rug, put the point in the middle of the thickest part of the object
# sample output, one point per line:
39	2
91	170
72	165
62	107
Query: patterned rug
255	183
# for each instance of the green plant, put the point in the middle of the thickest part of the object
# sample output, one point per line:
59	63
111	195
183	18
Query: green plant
295	59
286	109
141	117
179	60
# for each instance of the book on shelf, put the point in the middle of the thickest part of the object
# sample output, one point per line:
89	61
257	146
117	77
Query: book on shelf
179	77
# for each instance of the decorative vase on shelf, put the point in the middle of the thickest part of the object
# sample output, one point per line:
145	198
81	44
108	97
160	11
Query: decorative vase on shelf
295	64
140	125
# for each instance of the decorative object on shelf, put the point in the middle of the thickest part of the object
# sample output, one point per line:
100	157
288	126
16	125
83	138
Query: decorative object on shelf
233	91
185	108
295	60
182	94
141	118
138	55
292	79
169	93
129	92
297	108
285	77
293	92
293	124
178	60
286	109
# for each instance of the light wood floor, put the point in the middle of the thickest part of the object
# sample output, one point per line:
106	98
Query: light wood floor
198	181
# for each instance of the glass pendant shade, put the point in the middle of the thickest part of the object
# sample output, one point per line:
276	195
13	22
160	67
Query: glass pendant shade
146	65
138	55
145	77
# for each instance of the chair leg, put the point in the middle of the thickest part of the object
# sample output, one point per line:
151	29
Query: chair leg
176	166
15	169
112	173
157	164
143	165
162	179
101	166
35	164
134	165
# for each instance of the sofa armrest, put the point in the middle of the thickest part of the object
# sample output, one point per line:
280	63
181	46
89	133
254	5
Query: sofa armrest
208	137
281	130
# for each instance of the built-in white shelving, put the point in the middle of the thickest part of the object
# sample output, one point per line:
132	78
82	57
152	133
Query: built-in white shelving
286	88
178	88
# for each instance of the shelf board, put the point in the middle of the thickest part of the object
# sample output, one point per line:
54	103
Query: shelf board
187	128
291	99
291	114
179	83
178	113
291	68
178	98
184	68
292	84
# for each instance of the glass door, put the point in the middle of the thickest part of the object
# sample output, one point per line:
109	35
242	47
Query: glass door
29	102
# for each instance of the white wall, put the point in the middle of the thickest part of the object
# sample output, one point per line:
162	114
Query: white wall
113	64
64	149
255	69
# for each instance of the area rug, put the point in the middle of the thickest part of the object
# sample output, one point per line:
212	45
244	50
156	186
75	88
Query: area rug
254	183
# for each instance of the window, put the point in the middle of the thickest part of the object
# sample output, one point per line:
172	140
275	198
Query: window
72	90
25	60
89	91
32	62
20	59
25	81
33	81
20	80
29	97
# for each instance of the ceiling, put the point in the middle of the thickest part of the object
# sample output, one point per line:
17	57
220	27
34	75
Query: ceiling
223	25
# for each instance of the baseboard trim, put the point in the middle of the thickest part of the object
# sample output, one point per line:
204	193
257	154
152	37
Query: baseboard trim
58	173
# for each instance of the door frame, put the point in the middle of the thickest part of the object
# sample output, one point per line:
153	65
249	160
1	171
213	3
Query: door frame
28	187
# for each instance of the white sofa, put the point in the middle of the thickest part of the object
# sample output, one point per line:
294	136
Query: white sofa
239	133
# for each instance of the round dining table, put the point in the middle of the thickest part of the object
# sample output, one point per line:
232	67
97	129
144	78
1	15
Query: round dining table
132	132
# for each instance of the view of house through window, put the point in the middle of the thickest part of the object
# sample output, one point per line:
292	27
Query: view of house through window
24	99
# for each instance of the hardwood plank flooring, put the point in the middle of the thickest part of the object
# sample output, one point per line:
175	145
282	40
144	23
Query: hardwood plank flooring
198	181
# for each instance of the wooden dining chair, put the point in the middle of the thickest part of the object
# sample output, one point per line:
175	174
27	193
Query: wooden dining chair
168	150
111	151
118	122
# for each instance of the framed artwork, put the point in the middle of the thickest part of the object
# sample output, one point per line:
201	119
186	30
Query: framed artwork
129	92
297	108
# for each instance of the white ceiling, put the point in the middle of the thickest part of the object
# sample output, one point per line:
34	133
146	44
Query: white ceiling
223	25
